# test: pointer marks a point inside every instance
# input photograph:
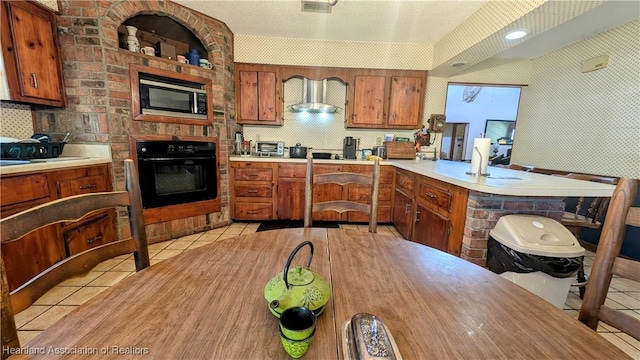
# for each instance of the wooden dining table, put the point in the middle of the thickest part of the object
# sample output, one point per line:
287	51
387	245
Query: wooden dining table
208	303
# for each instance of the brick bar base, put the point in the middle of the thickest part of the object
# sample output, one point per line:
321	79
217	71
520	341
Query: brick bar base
484	210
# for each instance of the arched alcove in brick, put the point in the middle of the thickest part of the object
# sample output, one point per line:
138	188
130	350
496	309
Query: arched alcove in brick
206	29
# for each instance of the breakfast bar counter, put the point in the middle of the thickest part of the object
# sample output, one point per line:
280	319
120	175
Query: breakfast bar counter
501	181
208	303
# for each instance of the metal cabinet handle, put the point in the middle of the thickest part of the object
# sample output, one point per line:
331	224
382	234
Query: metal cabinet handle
252	175
97	238
430	195
417	216
34	80
90	186
395	115
252	212
378	115
252	191
406	208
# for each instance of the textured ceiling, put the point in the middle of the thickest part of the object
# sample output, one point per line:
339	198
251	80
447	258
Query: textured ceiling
458	31
400	21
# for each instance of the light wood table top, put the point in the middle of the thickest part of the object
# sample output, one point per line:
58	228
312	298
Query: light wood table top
208	303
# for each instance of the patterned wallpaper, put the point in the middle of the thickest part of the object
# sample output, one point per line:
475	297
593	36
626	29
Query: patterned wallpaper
51	4
584	122
15	120
307	52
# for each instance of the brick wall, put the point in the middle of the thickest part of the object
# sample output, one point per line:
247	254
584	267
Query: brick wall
484	210
96	75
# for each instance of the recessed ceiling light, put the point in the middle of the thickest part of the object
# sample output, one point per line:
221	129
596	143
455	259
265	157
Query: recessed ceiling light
459	63
515	35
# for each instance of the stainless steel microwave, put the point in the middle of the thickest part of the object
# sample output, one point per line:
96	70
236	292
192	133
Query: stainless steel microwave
270	148
171	97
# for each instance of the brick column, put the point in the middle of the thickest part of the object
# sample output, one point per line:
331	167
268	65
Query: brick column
484	210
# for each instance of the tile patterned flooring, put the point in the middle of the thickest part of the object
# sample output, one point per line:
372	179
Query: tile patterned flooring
63	298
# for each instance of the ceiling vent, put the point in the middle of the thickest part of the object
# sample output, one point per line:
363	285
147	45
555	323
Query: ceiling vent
317	7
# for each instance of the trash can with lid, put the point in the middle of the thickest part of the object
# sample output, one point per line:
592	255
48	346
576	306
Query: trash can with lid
537	253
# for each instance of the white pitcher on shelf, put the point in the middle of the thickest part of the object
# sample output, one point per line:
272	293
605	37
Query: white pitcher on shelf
132	41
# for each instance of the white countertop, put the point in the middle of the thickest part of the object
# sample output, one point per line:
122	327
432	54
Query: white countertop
501	181
73	155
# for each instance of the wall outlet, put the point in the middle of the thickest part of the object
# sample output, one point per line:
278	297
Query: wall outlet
597	63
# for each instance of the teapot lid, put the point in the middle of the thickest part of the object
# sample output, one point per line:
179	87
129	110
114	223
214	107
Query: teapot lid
300	276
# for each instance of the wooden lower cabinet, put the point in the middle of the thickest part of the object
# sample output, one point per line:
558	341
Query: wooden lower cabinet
403	210
429	211
431	229
95	231
270	191
291	192
291	199
253	192
31	255
28	256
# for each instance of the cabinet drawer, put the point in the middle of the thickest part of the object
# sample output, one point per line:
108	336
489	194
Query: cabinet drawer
436	196
90	234
298	171
384	215
386	174
260	174
405	182
245	211
21	189
80	186
253	191
363	193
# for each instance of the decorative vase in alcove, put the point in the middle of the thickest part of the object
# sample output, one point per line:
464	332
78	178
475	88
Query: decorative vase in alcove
132	41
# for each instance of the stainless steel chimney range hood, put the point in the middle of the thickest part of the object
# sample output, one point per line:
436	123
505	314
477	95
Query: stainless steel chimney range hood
314	98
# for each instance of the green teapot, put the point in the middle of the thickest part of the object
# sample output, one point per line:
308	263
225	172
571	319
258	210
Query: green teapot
297	287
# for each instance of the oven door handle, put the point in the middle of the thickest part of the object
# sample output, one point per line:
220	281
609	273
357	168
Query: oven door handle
176	158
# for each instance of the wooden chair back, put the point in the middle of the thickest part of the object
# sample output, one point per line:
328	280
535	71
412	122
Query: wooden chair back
608	262
576	218
70	209
340	206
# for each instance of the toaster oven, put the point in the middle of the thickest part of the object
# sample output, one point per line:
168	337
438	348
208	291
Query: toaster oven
270	148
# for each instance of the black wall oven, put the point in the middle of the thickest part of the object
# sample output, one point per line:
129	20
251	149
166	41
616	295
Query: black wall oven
176	172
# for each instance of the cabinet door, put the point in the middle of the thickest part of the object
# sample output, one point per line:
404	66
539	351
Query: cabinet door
31	255
403	207
404	101
257	94
266	96
30	46
368	100
431	229
249	95
291	199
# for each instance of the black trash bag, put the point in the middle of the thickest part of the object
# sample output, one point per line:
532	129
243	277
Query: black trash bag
501	258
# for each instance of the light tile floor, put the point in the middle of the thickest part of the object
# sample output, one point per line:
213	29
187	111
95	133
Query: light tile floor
63	298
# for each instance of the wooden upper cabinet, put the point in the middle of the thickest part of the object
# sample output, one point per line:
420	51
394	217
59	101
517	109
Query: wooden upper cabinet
258	94
405	101
387	99
368	100
31	54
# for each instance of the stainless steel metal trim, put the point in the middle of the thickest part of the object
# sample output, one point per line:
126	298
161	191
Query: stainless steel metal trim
172	86
174	114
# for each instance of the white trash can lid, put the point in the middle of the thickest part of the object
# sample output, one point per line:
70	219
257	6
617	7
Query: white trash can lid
536	235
